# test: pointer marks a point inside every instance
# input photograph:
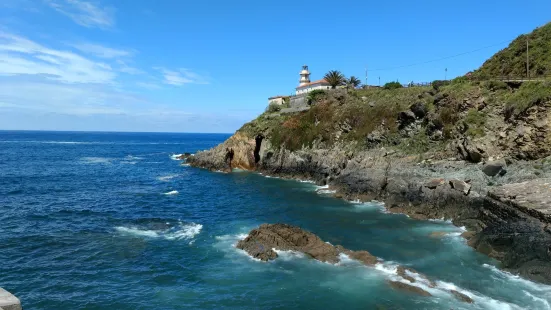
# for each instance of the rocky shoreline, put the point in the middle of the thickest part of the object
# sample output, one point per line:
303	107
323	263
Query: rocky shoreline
507	215
265	241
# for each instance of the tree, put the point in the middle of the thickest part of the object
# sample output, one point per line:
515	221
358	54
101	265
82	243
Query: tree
353	82
334	78
392	85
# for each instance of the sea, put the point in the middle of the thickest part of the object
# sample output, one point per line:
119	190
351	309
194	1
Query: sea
92	220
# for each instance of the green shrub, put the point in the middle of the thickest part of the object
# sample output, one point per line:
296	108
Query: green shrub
529	94
392	85
460	80
273	108
494	85
476	121
315	95
437	84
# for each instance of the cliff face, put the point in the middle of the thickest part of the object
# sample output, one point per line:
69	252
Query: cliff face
491	176
477	151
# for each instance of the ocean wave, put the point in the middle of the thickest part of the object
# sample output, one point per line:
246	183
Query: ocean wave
167	178
326	191
175	156
442	289
132	158
178	231
509	277
96	160
171	193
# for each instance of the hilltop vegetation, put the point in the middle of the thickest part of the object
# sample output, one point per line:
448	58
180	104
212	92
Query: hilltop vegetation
483	114
511	61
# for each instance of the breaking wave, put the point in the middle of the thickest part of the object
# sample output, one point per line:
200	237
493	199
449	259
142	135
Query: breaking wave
96	160
167	178
171	193
176	231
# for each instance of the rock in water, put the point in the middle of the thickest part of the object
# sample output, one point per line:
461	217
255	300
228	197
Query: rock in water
408	288
262	242
462	297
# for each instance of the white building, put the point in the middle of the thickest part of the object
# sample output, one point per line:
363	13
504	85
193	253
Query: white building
306	86
279	100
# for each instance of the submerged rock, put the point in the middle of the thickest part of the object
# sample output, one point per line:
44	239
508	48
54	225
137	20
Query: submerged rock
462	297
264	242
408	288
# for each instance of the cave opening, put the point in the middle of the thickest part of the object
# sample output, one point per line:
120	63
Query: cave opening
258	143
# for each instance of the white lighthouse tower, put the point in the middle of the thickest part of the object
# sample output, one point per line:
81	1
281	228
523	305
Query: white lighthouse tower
304	76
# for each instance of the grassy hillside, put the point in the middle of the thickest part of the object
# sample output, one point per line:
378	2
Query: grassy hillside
511	61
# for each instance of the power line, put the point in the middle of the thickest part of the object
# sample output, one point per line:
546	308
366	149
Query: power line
440	59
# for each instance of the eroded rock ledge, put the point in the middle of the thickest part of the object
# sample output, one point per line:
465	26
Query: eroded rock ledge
509	222
264	242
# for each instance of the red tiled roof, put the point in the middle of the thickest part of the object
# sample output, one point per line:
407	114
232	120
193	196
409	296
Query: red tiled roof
322	81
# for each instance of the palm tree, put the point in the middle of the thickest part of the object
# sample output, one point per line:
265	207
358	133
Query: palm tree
353	82
334	78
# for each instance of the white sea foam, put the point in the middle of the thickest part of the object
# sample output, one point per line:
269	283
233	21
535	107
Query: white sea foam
326	191
175	156
544	303
171	193
96	160
167	178
506	276
186	231
186	165
306	181
133	158
288	255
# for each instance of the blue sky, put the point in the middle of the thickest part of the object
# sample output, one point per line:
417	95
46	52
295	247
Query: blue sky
209	66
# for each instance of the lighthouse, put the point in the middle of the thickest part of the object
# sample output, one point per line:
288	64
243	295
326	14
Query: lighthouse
304	76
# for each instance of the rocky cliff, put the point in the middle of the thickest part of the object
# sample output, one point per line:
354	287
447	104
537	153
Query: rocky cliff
477	152
495	179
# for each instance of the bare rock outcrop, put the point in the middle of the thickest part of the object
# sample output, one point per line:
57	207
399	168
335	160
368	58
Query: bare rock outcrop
264	242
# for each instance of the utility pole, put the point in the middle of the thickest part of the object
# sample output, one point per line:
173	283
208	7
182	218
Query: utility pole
446	74
379	81
527	60
366	76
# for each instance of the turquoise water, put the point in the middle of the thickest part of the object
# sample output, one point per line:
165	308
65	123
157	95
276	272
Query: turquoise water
112	221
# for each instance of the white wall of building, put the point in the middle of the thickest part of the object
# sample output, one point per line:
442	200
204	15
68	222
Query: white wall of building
278	100
309	88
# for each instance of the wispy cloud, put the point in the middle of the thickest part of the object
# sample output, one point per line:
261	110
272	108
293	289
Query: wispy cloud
21	56
73	99
181	77
85	13
102	51
148	85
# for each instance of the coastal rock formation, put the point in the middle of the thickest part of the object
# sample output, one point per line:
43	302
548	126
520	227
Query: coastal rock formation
477	152
508	222
8	301
263	242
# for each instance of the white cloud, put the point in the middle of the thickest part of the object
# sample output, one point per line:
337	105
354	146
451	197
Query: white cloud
20	56
181	77
73	99
102	51
85	13
148	85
